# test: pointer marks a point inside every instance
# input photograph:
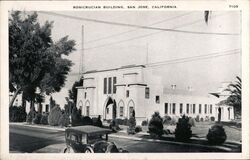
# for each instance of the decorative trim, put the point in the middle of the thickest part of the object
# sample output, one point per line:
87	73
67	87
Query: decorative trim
137	84
88	78
125	74
120	85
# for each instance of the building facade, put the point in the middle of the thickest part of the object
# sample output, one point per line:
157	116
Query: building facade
117	93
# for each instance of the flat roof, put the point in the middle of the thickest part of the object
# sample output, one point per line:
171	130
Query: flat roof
88	129
122	67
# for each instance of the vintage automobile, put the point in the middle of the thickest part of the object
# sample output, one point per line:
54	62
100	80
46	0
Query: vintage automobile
89	139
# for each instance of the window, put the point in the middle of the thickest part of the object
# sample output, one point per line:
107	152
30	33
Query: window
127	93
47	108
181	108
131	109
114	85
211	110
157	99
187	109
200	108
147	92
166	108
85	95
105	86
109	85
87	111
121	111
193	108
173	108
205	109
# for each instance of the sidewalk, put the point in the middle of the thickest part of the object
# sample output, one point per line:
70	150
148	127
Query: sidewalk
228	146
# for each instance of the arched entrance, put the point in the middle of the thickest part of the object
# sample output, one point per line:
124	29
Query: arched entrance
110	109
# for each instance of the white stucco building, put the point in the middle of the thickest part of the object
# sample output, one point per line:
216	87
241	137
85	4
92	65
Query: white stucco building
117	92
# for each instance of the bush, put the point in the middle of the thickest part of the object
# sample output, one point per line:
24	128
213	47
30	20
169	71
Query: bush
31	115
37	119
17	114
191	121
207	118
155	126
54	116
212	118
167	120
144	123
216	134
97	121
64	120
114	125
138	129
76	118
197	118
183	129
86	120
201	119
44	119
131	125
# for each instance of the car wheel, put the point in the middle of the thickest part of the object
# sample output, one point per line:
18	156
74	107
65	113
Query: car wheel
89	150
69	150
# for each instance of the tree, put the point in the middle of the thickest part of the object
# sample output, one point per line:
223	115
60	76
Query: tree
73	91
34	59
234	98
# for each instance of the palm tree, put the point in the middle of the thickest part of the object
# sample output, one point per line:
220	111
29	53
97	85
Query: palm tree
234	98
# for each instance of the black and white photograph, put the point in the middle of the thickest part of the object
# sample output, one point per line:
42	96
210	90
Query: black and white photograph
90	80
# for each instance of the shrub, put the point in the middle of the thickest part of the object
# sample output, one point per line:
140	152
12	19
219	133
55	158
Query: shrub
183	129
86	120
191	121
167	120
37	118
44	119
125	121
174	120
144	123
138	129
216	134
54	116
31	115
155	126
17	114
201	119
212	118
64	120
76	118
207	118
114	125
97	121
131	125
197	118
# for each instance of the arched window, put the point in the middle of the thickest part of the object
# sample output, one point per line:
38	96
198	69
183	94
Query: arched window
87	106
121	108
131	106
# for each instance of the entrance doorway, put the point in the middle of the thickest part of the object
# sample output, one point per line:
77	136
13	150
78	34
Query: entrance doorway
110	109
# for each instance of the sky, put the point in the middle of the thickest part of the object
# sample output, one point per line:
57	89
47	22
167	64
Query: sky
109	46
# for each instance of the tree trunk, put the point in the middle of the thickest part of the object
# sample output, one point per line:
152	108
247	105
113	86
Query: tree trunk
14	97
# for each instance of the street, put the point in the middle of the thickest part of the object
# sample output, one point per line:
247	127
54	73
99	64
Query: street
30	139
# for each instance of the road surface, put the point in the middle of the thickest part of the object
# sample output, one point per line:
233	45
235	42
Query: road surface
30	139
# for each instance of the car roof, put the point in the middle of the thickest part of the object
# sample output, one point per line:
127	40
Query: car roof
88	129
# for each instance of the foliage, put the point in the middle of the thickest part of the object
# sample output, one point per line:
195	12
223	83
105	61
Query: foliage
167	120
35	60
86	120
155	126
197	118
131	125
212	118
234	98
97	121
37	118
183	129
144	123
191	121
138	129
216	134
54	116
31	115
76	118
44	119
64	120
73	91
17	114
122	121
